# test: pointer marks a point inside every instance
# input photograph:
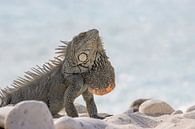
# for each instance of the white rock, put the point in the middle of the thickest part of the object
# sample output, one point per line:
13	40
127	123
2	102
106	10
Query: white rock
190	109
155	108
83	115
127	126
142	120
176	122
29	115
80	108
190	115
4	111
66	123
119	119
79	123
137	119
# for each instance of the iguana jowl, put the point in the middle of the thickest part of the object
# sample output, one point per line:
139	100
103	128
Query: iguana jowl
81	68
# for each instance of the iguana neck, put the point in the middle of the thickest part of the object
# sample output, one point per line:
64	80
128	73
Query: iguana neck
101	78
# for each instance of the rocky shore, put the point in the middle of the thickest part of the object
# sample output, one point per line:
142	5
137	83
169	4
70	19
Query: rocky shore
142	114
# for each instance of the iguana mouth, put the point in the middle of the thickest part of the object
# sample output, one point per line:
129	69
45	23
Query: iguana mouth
102	91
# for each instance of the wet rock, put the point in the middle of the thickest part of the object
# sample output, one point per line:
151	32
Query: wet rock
79	123
136	104
103	115
155	108
177	112
190	109
29	115
4	111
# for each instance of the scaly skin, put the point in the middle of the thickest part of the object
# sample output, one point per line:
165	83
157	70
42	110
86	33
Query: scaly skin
81	68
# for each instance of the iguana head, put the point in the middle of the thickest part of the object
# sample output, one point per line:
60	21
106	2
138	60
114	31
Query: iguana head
81	52
85	55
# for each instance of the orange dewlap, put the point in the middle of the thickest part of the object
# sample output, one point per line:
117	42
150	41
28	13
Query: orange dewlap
102	91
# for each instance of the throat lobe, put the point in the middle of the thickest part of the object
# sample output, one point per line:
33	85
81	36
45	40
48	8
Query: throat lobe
101	78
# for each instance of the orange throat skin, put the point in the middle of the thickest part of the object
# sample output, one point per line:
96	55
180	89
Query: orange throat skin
102	91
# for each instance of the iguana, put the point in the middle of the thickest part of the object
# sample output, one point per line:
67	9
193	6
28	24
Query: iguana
81	67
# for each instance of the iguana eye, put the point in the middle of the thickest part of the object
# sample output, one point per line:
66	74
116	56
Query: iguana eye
82	57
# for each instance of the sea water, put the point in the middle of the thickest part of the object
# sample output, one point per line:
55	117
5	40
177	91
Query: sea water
151	44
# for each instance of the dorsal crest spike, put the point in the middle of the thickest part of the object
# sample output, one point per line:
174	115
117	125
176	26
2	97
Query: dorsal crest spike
64	42
30	76
61	49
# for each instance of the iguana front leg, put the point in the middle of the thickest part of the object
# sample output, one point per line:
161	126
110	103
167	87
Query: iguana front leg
75	85
90	103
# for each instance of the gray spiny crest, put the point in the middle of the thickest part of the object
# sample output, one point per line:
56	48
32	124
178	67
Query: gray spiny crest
80	68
